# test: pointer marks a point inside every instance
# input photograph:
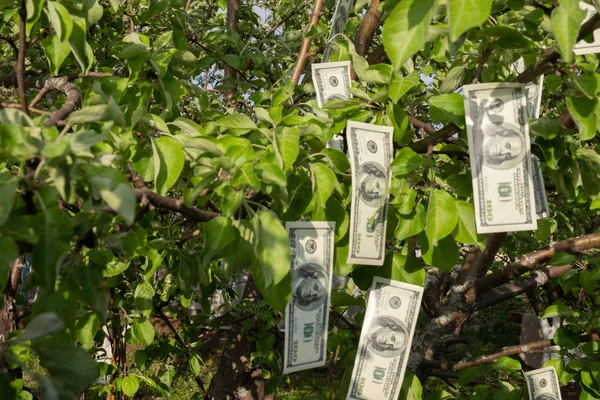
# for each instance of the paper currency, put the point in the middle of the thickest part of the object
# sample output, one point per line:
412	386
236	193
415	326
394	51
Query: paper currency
584	47
307	313
499	150
541	198
331	81
385	340
370	150
340	18
533	90
543	384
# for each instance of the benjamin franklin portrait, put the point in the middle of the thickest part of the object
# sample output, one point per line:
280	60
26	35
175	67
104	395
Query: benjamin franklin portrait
388	336
309	287
503	146
372	183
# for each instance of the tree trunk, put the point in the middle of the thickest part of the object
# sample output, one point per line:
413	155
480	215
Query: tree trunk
8	314
235	378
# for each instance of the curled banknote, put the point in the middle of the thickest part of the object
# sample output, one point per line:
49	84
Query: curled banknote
500	156
385	340
533	90
543	384
370	149
307	313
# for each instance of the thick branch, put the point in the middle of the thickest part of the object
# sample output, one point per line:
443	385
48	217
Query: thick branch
421	125
72	93
533	280
422	145
377	56
301	61
21	58
531	260
146	195
367	28
523	348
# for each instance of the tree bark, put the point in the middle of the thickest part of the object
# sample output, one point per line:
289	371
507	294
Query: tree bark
235	378
368	27
8	314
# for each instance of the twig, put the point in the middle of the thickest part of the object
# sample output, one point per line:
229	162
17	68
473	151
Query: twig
299	66
367	28
523	348
287	17
233	10
145	196
31	109
11	42
21	58
484	57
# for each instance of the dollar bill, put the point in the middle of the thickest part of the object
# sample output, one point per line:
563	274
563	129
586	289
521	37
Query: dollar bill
340	18
533	90
331	81
499	151
370	150
541	198
307	313
543	384
583	47
385	340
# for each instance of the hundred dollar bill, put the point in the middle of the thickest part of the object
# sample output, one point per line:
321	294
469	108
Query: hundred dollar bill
307	313
331	81
583	47
543	384
499	151
532	90
541	198
340	18
385	340
370	150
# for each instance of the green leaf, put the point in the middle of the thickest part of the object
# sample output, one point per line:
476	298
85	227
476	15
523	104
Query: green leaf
34	11
143	330
566	21
8	191
557	310
144	292
130	385
56	52
169	158
448	108
70	368
405	269
587	84
114	189
271	172
546	128
98	113
585	114
240	259
561	259
400	85
237	121
405	30
466	14
81	49
86	328
339	160
465	231
324	182
8	255
288	144
507	364
444	256
442	216
218	234
566	338
453	80
60	19
411	387
41	325
272	250
405	162
412	224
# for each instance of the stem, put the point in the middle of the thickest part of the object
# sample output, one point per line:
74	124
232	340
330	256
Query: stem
21	58
299	67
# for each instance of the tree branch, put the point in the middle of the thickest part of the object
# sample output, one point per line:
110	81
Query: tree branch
533	280
21	58
233	11
367	28
531	260
145	196
72	93
10	42
523	348
301	61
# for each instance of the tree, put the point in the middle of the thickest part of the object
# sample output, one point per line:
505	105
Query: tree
152	150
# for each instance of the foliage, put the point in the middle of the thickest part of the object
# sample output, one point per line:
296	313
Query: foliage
161	187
